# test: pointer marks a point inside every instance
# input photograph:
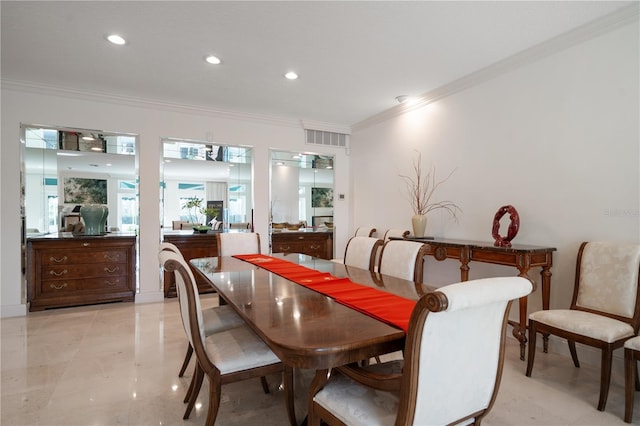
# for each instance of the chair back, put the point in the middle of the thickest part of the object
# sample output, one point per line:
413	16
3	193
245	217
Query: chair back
607	280
455	351
395	233
188	296
170	246
233	243
361	252
365	231
403	259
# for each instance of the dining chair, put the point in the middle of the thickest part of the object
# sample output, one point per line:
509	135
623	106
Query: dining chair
224	357
604	310
232	243
395	233
403	259
631	358
361	252
365	231
454	353
215	319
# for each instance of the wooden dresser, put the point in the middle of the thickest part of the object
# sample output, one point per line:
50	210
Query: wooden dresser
312	243
191	245
69	270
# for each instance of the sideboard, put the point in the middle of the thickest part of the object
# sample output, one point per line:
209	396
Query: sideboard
66	269
312	243
192	245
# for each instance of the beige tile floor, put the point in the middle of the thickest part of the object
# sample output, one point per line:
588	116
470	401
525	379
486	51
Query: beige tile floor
117	364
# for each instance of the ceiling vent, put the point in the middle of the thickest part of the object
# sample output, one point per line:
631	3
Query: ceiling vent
319	137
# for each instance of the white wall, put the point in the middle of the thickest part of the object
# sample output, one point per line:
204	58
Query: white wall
46	106
558	139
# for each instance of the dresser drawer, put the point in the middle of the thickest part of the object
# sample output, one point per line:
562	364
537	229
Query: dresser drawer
66	257
83	271
100	284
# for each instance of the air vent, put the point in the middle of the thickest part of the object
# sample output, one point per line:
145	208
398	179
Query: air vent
319	137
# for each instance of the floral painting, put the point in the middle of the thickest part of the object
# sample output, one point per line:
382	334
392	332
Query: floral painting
321	197
85	191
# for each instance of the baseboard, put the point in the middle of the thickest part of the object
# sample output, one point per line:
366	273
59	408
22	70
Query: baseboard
150	297
8	311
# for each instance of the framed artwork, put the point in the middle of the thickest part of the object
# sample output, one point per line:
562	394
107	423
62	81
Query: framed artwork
321	197
85	191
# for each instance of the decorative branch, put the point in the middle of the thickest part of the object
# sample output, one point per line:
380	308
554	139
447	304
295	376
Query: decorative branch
420	189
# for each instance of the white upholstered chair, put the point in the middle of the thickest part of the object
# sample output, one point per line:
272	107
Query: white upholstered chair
215	319
402	259
365	231
233	243
361	252
224	357
631	358
604	311
452	367
395	233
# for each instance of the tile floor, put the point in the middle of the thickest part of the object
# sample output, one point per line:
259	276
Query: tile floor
117	364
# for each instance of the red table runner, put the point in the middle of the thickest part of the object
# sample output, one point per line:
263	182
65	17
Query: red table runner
386	307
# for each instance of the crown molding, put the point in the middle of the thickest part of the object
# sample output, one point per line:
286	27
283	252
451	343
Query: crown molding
325	127
607	23
73	93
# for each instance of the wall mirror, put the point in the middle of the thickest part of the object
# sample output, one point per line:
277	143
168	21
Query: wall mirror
64	168
301	190
199	175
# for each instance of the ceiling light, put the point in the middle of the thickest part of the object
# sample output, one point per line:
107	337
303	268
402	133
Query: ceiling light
116	39
96	148
279	163
291	75
213	60
402	98
88	138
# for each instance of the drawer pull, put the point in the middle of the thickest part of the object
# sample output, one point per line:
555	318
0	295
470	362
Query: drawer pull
301	238
285	248
111	283
110	257
56	260
314	246
111	271
86	244
58	287
58	274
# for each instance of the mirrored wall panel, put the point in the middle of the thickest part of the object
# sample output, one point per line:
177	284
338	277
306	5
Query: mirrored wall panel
301	190
66	168
206	185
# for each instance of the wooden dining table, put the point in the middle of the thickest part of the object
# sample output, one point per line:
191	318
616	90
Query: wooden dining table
305	328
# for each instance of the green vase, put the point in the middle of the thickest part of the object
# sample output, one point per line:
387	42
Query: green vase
95	218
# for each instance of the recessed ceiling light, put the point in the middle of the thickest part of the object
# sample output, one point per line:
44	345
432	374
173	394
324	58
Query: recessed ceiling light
88	138
291	75
116	39
279	163
213	60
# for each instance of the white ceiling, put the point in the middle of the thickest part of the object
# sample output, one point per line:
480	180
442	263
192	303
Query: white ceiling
353	58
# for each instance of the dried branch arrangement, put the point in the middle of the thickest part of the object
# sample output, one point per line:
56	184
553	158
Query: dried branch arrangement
420	189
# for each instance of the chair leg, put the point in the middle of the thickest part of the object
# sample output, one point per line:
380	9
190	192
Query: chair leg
574	354
198	376
605	377
630	375
532	347
187	358
287	378
214	401
265	384
192	384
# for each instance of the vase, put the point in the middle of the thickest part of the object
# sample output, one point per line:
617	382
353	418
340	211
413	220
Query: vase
95	218
419	223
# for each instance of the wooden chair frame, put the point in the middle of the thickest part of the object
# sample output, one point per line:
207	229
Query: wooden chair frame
204	365
407	382
631	381
605	348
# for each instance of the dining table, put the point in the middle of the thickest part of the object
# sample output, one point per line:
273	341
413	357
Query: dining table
305	328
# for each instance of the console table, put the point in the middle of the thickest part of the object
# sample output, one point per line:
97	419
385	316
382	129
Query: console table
520	256
312	243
